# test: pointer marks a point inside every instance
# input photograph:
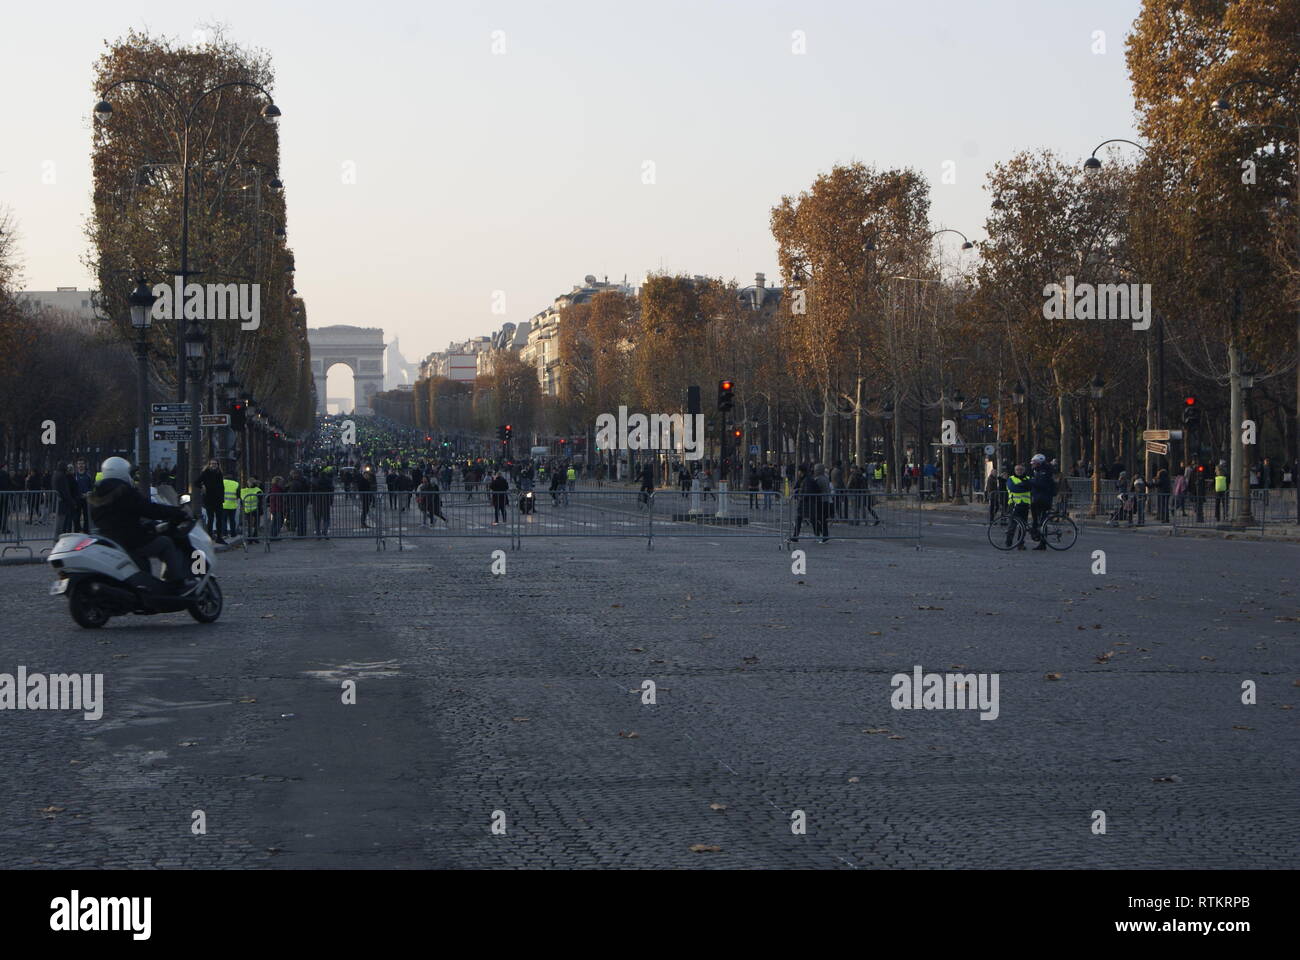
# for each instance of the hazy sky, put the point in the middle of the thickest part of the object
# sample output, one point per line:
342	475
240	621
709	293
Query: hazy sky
522	171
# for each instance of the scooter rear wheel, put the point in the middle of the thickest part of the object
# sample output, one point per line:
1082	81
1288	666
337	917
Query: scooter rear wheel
206	607
85	609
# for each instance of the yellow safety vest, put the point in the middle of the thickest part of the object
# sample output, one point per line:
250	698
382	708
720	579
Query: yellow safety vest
1220	484
1017	490
99	475
231	501
249	496
879	473
573	474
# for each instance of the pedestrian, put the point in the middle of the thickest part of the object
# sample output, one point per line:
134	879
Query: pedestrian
499	490
212	487
82	484
1163	489
64	499
276	505
802	502
296	495
823	502
250	498
230	505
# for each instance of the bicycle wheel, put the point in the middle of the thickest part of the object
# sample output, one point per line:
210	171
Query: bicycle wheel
1059	532
999	529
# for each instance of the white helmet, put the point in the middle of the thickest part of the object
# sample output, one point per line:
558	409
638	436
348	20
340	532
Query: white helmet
116	468
1038	458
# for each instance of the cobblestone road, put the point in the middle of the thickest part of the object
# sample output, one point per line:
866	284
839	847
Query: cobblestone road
522	694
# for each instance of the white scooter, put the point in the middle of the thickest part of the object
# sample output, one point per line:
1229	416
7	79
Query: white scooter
102	580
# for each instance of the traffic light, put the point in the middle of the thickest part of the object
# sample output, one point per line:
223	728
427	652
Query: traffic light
1191	411
509	431
237	411
726	395
737	433
501	433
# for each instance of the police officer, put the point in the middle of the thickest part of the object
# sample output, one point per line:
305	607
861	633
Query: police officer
1018	498
230	505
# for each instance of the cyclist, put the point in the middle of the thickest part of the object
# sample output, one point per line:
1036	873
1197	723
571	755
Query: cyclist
1018	497
1042	487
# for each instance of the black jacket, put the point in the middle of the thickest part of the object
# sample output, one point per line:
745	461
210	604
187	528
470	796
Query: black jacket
1042	486
117	509
213	484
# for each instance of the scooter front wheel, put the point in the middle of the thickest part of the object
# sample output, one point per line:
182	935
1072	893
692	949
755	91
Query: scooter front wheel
206	606
85	608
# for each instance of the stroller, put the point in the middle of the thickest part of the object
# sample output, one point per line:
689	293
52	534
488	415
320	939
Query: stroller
1123	512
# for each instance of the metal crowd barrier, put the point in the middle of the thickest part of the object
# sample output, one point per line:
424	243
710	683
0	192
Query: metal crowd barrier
336	515
855	515
1217	511
32	517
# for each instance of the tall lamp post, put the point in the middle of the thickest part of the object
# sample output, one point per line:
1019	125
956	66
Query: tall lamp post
1224	105
1096	388
184	118
220	379
142	301
194	344
887	415
959	404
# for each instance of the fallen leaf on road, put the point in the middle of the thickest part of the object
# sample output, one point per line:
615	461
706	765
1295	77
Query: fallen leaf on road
1169	779
717	806
51	809
637	649
1239	727
705	848
268	616
854	779
629	734
876	730
1052	676
1105	657
929	608
1211	659
894	737
248	699
520	719
873	633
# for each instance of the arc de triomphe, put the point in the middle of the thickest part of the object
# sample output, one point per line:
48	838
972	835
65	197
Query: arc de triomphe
361	348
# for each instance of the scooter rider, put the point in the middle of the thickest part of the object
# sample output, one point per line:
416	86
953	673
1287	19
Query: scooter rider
118	511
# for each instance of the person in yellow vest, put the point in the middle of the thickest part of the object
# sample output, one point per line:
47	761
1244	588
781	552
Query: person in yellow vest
250	498
230	506
878	474
1221	490
572	477
1018	497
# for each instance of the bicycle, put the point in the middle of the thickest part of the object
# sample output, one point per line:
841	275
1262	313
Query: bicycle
1007	531
1058	531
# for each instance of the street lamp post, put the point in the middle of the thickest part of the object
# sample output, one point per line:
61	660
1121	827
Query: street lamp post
959	404
142	301
1223	105
1096	388
185	117
220	379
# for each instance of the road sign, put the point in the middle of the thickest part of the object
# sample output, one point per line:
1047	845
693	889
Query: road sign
959	448
984	403
753	449
214	420
169	436
170	420
988	450
1155	434
1160	448
976	416
172	407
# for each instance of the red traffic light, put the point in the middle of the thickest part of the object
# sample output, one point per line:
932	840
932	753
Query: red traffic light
726	385
737	433
1200	468
1189	401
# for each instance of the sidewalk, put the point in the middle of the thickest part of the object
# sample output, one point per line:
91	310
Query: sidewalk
1272	530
